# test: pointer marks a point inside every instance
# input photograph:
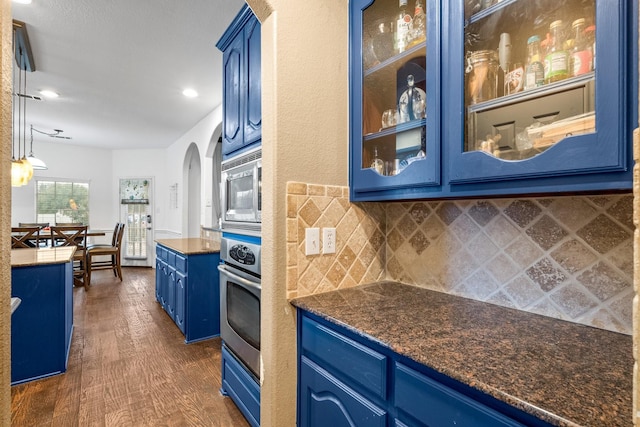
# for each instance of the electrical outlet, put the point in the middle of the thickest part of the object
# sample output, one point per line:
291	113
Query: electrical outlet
312	241
329	240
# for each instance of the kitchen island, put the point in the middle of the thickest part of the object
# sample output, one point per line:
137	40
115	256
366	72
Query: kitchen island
188	285
42	326
560	373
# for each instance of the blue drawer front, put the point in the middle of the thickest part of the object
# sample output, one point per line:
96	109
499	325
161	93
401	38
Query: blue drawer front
161	252
171	258
422	401
181	263
339	354
238	384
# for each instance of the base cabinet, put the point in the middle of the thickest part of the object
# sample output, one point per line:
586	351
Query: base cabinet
41	327
188	289
241	387
347	380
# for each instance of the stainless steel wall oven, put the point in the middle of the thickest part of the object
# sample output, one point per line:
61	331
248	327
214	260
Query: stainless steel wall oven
240	288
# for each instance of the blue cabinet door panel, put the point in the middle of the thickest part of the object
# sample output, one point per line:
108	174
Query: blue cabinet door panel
325	401
181	281
253	98
170	306
232	97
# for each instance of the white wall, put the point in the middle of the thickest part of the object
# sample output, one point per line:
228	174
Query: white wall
71	162
103	168
201	135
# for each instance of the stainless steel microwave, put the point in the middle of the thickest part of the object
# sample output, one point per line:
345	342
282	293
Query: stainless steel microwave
241	193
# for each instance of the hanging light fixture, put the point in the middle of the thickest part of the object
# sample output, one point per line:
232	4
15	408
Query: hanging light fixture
21	168
36	163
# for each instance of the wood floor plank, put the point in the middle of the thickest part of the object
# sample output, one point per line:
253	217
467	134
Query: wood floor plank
128	366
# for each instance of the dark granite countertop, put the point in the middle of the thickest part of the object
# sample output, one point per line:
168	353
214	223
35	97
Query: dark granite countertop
564	373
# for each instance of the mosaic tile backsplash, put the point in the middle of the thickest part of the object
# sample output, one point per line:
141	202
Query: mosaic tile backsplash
566	257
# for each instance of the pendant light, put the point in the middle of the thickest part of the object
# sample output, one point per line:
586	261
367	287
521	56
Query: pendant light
21	168
36	163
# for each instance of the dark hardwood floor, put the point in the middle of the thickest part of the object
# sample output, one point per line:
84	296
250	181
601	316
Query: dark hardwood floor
129	366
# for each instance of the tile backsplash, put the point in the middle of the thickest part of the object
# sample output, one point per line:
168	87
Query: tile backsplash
564	257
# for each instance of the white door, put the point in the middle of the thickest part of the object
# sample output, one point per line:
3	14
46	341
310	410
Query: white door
136	209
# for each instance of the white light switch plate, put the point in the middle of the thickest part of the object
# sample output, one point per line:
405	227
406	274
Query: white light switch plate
312	241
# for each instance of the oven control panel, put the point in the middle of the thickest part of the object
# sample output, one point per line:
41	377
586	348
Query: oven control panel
242	254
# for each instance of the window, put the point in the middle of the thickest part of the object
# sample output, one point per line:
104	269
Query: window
62	201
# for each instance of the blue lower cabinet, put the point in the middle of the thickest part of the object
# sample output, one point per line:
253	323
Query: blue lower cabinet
326	401
422	401
348	380
180	291
241	387
188	289
42	326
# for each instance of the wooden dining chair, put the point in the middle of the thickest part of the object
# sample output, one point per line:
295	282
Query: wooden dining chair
44	241
25	237
40	225
111	251
73	236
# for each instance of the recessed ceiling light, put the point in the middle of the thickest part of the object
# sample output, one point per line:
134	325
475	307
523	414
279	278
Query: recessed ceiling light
48	94
22	1
190	93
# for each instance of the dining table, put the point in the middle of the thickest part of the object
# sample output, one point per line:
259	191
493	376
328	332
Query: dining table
45	235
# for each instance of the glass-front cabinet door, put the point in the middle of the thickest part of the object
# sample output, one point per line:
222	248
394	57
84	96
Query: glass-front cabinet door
395	95
542	95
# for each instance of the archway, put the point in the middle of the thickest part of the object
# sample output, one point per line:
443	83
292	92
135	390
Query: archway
214	156
192	171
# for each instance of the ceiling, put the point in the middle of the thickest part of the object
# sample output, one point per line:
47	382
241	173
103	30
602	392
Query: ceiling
120	66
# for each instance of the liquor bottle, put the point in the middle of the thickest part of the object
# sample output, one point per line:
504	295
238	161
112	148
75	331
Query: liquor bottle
419	23
413	101
377	164
534	76
403	27
581	59
556	63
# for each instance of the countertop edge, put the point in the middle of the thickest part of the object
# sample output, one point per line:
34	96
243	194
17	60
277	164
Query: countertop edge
191	245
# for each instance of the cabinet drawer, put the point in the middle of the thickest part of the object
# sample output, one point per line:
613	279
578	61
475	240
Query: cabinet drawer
161	252
171	258
340	355
423	401
181	263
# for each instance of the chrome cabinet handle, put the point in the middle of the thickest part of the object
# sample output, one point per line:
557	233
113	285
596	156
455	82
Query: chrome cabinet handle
239	279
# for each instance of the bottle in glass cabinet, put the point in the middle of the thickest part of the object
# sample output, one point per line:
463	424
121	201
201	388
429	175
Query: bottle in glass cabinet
419	24
535	68
556	63
403	27
581	59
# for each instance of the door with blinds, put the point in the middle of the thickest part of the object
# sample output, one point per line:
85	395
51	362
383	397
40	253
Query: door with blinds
136	210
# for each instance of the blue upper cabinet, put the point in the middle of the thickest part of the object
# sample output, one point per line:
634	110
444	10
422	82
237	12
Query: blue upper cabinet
572	119
535	98
242	108
395	96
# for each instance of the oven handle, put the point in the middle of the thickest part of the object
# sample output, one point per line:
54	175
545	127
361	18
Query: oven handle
241	280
